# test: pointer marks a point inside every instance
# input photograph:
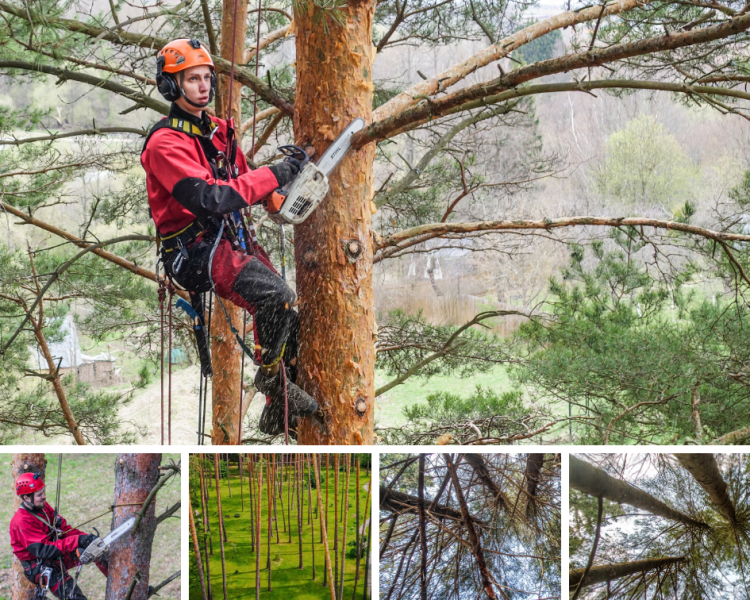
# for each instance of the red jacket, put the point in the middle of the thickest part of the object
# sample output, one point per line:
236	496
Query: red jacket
181	185
29	539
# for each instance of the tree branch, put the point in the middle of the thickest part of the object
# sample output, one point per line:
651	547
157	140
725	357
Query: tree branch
152	590
421	233
57	136
495	52
111	86
434	107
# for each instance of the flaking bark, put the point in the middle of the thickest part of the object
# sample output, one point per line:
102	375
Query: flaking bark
135	476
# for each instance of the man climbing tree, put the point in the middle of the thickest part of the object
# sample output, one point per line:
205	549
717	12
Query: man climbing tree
197	185
44	542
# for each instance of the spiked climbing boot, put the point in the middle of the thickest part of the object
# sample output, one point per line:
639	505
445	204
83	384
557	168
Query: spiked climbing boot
301	404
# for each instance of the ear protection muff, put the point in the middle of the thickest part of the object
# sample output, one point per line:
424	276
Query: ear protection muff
166	82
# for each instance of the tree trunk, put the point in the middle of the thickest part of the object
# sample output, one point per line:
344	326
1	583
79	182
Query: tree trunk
400	502
225	353
269	490
251	485
135	477
480	468
706	472
604	573
476	547
229	481
343	535
325	538
221	527
595	482
336	521
257	531
242	493
20	587
207	543
298	477
423	530
273	497
333	248
309	501
197	550
534	464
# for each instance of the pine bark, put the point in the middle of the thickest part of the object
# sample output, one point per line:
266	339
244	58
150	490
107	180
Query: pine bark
476	547
706	472
604	573
592	481
226	355
207	543
135	476
20	587
333	247
298	477
476	461
534	464
423	529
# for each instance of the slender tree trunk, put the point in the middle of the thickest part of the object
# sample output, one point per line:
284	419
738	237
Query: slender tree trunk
225	353
221	527
135	476
534	463
366	582
343	535
298	473
422	531
281	491
610	572
695	404
358	537
333	248
275	515
309	501
336	521
229	481
251	485
269	489
309	493
476	461
257	531
206	526
20	587
706	472
242	492
325	539
363	537
476	547
289	496
595	482
197	550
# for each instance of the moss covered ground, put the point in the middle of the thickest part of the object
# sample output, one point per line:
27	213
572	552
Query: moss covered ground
288	581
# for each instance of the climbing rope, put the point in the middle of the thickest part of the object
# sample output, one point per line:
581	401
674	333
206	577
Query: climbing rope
170	289
162	297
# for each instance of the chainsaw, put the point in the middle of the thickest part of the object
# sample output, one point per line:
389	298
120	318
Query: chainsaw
297	200
100	546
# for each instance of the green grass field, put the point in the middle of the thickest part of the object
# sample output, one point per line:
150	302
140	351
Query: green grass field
87	490
288	581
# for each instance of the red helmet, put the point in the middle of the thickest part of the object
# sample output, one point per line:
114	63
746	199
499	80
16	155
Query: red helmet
28	483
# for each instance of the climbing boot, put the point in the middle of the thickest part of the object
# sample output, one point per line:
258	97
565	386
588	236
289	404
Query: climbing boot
301	403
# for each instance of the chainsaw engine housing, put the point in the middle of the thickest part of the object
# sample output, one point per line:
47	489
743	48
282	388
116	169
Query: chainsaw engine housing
305	194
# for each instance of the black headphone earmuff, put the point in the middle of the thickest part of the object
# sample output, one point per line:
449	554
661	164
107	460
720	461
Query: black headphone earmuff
166	82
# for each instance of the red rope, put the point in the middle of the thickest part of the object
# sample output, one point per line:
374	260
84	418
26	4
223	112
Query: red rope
286	403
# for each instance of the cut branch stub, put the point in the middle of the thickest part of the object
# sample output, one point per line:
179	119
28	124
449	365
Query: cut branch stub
592	481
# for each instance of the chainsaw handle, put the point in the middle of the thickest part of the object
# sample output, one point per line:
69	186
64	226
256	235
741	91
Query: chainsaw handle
292	151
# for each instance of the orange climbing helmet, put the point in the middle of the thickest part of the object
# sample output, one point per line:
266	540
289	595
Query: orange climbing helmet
28	483
177	56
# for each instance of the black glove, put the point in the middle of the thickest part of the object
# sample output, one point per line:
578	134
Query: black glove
286	171
84	541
